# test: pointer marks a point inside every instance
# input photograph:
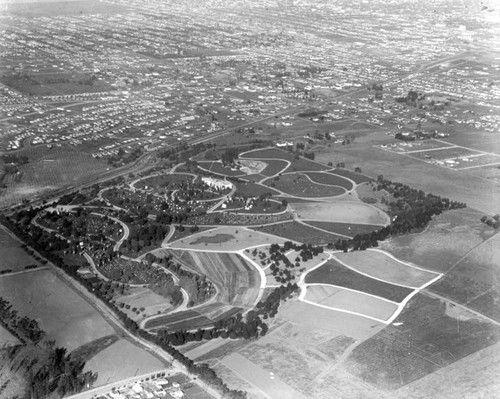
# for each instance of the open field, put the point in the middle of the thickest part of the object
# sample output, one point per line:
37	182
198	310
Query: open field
463	186
448	237
12	256
121	360
347	229
224	239
238	281
343	212
355	177
235	381
60	311
299	232
332	272
253	189
475	281
301	186
329	179
380	265
48	170
317	318
261	378
6	338
351	301
297	165
426	341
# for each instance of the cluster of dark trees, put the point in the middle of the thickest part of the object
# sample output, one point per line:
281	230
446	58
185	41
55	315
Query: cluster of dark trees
23	328
15	159
230	327
144	236
311	113
123	158
50	370
492	222
411	211
412	98
199	289
269	307
60	374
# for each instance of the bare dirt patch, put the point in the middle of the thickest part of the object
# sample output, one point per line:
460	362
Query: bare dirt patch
344	212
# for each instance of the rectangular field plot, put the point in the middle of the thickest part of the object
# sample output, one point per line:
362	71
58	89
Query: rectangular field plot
347	229
426	340
356	302
335	273
379	265
12	256
60	311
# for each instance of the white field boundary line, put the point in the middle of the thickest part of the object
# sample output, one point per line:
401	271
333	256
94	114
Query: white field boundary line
345	311
467	148
407	299
306	173
352	290
370	276
430	149
404	263
263	278
15	273
478	166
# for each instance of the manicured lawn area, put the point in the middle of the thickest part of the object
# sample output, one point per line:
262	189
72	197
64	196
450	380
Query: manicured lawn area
329	179
217	168
274	167
298	232
300	186
332	272
355	177
340	211
253	189
348	229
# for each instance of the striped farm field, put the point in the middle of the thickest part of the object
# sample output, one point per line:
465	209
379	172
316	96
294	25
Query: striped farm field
329	179
382	266
352	301
237	280
333	272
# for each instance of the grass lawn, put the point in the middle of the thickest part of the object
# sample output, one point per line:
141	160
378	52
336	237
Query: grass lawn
61	312
12	256
348	229
340	211
355	177
299	185
335	273
299	232
329	179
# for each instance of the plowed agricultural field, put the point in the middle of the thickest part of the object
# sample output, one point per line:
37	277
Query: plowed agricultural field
332	272
238	281
351	301
344	212
380	265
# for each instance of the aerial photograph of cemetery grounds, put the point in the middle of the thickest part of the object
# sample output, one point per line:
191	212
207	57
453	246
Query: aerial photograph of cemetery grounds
265	200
